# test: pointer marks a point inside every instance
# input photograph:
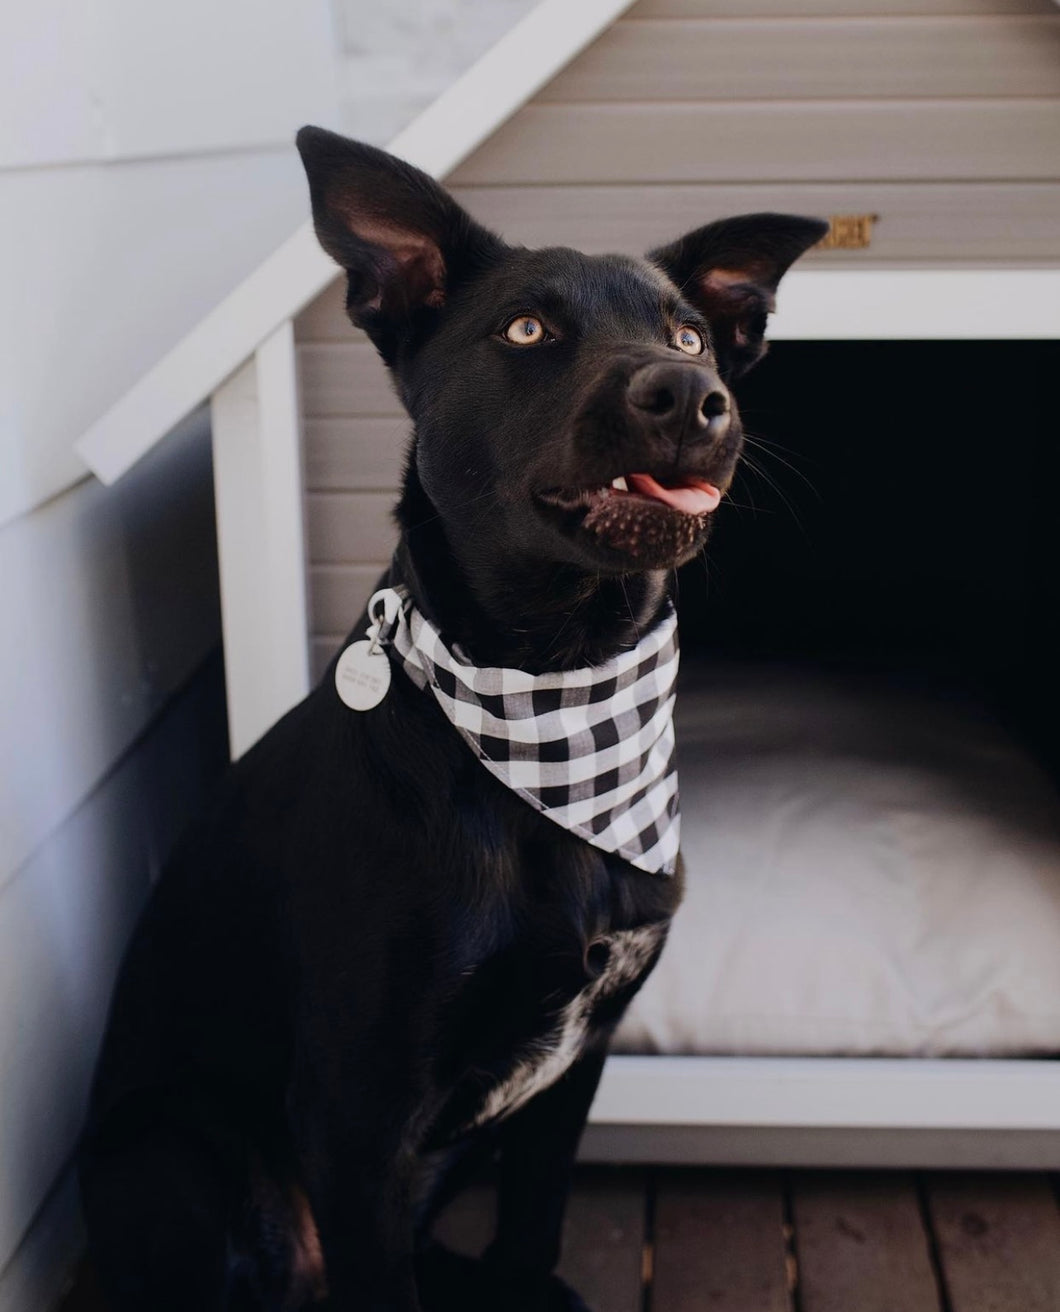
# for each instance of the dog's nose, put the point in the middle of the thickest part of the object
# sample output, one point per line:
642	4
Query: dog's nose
686	398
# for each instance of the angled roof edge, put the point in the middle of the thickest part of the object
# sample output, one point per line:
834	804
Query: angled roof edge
448	130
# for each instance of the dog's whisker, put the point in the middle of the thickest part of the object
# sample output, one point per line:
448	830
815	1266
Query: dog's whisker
772	483
766	448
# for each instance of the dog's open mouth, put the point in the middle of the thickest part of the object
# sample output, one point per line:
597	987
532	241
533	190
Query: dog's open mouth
637	520
688	496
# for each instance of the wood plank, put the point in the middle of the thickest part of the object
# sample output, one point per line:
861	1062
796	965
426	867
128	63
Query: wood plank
998	1241
324	318
820	141
603	1239
344	379
816	59
338	594
829	8
861	1244
322	647
603	1234
941	222
355	455
719	1243
346	528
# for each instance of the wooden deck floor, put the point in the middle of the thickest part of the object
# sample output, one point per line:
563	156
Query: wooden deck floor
740	1241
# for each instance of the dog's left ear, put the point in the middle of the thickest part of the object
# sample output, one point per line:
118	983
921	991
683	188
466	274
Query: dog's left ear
402	239
730	271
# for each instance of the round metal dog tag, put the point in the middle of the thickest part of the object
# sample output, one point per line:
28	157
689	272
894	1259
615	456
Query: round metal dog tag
362	676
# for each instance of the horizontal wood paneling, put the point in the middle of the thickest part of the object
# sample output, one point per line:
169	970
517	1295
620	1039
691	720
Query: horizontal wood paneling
351	455
808	8
322	647
338	594
348	527
793	141
325	319
344	379
816	59
938	222
917	221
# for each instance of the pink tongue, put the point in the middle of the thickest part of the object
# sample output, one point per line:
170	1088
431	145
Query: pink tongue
696	497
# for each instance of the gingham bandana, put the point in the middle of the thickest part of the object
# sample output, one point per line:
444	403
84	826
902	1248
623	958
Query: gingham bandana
592	749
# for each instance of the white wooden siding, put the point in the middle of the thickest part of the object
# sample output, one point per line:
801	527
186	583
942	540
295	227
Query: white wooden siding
827	8
823	58
146	168
355	433
109	597
340	593
65	916
350	526
941	117
351	454
345	379
794	141
936	223
118	79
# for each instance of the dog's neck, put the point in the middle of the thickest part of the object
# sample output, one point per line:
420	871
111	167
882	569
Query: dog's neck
565	618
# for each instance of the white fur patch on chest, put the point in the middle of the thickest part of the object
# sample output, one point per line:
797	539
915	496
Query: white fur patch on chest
552	1053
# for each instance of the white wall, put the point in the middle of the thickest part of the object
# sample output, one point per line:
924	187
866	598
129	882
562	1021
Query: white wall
146	166
398	56
112	724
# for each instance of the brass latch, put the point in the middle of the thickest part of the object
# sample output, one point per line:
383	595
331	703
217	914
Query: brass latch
847	232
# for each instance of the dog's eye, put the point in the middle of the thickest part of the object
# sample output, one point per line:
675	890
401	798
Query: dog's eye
525	331
687	339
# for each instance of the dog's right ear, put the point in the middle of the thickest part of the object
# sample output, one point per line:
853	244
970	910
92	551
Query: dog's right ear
402	239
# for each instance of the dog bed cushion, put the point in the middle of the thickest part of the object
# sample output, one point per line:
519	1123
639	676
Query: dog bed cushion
870	870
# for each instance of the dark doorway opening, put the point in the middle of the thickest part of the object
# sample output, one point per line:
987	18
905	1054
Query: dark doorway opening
899	513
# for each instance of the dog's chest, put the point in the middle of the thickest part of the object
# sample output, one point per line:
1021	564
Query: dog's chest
622	958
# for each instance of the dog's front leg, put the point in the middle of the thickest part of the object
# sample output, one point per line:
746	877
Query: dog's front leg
538	1147
359	1163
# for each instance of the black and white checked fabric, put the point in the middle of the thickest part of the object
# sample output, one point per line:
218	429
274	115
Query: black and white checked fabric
592	749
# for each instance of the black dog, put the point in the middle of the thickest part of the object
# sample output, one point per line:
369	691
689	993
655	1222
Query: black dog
357	966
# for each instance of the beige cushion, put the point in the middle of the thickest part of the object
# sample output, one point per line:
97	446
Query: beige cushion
870	871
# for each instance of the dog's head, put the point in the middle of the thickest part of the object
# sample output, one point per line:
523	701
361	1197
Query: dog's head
568	408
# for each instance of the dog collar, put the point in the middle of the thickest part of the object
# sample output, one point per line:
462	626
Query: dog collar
592	749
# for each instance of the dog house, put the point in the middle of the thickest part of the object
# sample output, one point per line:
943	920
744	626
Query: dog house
867	969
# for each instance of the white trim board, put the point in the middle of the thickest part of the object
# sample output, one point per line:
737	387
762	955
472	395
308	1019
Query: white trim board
527	57
830	1093
257	450
918	304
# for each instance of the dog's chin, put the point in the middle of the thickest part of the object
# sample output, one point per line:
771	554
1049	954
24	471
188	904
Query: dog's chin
627	533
